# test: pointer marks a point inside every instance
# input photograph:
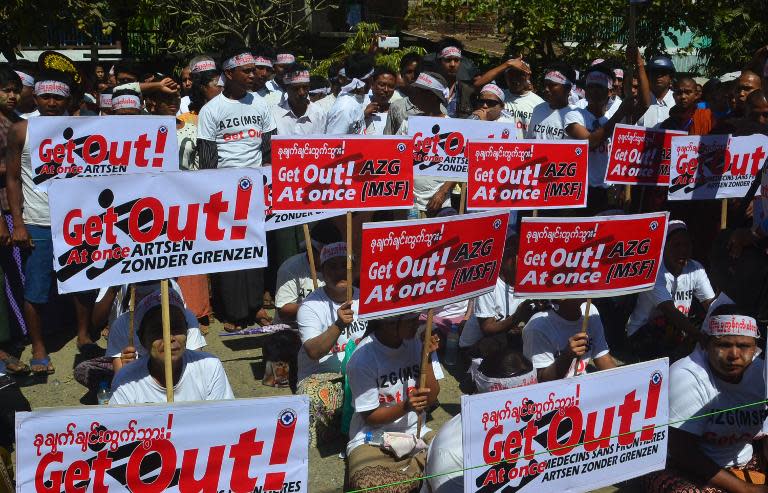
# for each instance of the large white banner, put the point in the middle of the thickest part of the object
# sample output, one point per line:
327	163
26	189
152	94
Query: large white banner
69	146
572	435
439	144
113	230
260	445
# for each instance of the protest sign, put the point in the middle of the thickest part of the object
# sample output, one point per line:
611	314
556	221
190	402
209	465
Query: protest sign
640	155
527	174
322	173
114	230
69	146
439	144
262	445
589	257
279	220
415	265
574	435
715	166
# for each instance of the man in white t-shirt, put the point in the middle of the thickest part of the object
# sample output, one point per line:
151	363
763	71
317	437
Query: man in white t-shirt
347	115
197	376
557	344
295	114
547	120
655	95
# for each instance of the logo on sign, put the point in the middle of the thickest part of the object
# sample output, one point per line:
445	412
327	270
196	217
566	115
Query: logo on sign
497	224
163	129
287	417
505	134
245	183
578	151
654	225
401	147
656	378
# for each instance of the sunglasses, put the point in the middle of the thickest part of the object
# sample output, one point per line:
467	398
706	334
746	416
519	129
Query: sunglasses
488	102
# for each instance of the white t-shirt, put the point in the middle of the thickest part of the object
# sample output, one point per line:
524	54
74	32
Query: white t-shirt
312	122
203	379
327	102
382	376
693	281
118	335
597	161
294	281
446	454
316	314
237	127
521	106
375	124
694	390
184	105
610	108
547	333
497	304
346	117
658	111
547	123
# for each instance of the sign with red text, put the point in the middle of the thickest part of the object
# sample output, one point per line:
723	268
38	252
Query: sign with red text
69	146
715	166
322	173
527	174
575	434
415	265
640	155
114	230
279	220
262	445
589	257
439	144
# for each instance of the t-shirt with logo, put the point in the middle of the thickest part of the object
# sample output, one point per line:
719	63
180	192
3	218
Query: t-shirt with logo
497	304
316	314
547	123
521	106
237	127
294	282
692	282
597	160
694	390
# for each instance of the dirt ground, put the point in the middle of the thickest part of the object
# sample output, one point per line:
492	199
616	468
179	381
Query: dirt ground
244	365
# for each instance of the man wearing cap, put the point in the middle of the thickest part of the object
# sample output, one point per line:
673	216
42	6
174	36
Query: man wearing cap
347	115
547	120
295	114
656	95
460	93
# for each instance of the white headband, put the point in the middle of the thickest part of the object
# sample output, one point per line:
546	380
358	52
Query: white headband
730	325
493	89
26	79
322	90
285	58
105	100
355	83
300	77
126	101
450	52
489	384
426	81
598	79
261	61
674	225
558	78
203	66
238	61
52	87
220	82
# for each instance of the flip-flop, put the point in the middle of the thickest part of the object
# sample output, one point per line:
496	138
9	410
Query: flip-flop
45	363
11	362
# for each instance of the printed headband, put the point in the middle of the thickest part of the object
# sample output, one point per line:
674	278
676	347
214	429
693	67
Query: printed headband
203	66
493	89
489	384
426	81
675	225
105	100
598	79
126	101
558	78
355	83
26	79
285	58
730	325
261	61
300	77
450	52
596	61
52	87
333	250
619	73
244	58
322	90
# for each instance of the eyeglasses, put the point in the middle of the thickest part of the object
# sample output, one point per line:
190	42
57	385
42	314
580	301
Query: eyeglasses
488	102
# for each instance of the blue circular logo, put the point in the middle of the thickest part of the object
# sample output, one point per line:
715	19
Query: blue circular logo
163	129
578	151
245	183
497	224
287	417
654	225
656	378
401	147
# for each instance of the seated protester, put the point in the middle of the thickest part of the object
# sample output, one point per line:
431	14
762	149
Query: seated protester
326	323
659	322
722	374
383	374
126	102
382	88
508	369
686	115
558	348
547	120
490	105
197	376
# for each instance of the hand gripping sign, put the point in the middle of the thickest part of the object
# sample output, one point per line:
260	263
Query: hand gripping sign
527	174
715	166
573	435
67	146
113	230
589	257
318	173
415	265
439	144
640	156
261	446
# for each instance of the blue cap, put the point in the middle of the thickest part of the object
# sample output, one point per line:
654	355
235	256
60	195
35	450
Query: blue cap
661	64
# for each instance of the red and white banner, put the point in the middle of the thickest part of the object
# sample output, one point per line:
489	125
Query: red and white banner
279	220
69	146
527	174
715	166
640	155
114	230
415	265
589	257
321	173
439	144
262	445
575	435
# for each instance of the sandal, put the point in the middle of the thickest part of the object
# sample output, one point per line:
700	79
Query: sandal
230	327
13	366
42	366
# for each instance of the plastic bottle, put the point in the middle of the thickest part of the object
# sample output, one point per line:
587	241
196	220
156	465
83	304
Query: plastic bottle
452	345
375	438
104	394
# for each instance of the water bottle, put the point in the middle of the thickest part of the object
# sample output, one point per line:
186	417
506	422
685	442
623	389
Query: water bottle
452	345
375	438
104	394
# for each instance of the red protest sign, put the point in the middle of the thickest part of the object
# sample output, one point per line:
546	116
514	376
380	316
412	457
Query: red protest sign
527	174
589	257
414	265
640	156
349	173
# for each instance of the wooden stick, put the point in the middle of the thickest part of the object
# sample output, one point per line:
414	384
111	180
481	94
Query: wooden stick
424	362
724	214
463	198
132	308
584	324
535	213
627	197
349	256
165	307
311	255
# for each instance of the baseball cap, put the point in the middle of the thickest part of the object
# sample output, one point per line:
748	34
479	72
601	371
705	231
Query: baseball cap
661	64
151	301
333	250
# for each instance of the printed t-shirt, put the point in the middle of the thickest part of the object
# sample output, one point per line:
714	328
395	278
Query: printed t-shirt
547	123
